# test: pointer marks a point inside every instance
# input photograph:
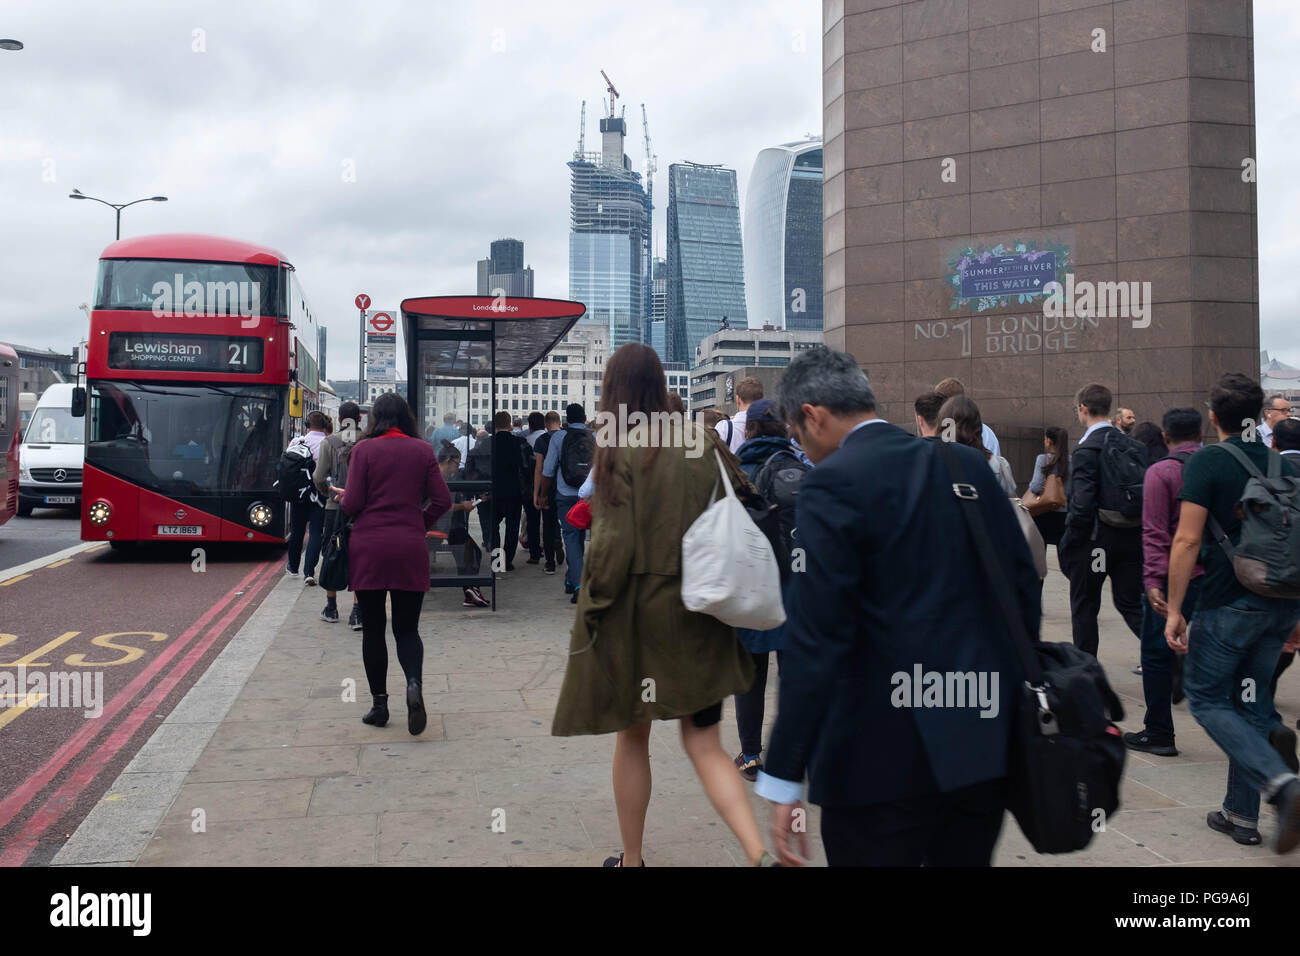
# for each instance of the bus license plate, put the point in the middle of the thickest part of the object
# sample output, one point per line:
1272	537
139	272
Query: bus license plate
60	499
180	529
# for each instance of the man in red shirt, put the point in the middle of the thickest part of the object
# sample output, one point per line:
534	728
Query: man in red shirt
1162	669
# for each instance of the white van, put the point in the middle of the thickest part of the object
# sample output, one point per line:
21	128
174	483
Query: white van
52	453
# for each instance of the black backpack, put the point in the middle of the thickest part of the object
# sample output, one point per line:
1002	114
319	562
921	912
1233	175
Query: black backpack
293	473
525	469
576	454
1122	467
777	481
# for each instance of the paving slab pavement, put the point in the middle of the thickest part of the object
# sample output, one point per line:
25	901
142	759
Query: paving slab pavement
267	763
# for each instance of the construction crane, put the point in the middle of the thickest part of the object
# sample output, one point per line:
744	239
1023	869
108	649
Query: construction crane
651	166
582	131
651	160
613	93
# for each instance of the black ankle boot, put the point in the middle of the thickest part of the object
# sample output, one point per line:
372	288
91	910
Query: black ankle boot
415	715
378	713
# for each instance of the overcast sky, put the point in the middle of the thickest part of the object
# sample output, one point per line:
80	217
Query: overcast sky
456	117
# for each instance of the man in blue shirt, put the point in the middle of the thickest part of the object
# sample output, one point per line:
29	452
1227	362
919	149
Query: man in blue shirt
566	496
448	431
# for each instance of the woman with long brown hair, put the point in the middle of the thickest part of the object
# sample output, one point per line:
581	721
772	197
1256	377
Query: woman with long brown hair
965	417
636	653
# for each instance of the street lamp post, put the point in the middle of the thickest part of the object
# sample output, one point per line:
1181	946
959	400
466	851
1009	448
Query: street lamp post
118	207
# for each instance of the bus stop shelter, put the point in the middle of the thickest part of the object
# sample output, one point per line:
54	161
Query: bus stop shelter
451	343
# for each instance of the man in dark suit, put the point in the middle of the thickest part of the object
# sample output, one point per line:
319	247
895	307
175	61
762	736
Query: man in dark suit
896	692
1090	549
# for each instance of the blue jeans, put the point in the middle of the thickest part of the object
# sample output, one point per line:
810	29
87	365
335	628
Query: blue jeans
574	541
1232	651
1158	661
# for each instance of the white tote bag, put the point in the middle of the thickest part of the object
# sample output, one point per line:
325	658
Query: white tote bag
728	568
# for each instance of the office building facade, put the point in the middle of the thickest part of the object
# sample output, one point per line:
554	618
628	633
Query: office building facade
783	237
609	238
705	285
503	271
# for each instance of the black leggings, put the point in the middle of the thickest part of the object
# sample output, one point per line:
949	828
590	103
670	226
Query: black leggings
374	638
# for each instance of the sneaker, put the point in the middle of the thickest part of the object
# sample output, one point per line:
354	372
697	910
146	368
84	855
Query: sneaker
1282	739
748	766
469	600
1246	836
510	566
568	586
354	618
1288	817
533	561
310	581
480	600
331	613
1151	744
550	567
290	573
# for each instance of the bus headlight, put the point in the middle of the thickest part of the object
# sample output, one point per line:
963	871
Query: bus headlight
260	514
100	512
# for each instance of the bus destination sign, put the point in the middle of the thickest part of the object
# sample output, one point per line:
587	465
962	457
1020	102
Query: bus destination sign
161	352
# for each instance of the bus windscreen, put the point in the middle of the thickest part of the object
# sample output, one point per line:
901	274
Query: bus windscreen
176	287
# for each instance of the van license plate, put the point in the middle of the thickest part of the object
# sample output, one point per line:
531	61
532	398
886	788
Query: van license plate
60	499
180	529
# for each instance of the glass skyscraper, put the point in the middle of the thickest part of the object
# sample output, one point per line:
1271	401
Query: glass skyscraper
609	238
783	237
706	269
504	270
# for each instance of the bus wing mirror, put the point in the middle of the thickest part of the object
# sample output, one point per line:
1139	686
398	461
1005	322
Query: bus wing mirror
78	402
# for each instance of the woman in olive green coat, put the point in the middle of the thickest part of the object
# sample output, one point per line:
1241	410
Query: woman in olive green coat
636	654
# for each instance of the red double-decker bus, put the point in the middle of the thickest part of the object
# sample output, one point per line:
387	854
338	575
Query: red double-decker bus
201	360
9	433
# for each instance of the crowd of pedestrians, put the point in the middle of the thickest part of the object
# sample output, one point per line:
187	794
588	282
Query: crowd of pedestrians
877	577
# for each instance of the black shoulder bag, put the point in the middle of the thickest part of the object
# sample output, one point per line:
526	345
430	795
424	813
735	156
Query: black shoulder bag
334	556
1067	756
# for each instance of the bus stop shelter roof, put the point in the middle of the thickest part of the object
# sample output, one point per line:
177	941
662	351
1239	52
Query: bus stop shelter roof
462	333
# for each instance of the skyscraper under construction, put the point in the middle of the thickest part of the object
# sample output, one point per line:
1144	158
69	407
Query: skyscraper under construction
609	234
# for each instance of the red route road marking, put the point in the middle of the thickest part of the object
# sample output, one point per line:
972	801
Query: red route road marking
32	786
54	808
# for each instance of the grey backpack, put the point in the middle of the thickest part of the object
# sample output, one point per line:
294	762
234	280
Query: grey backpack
1266	558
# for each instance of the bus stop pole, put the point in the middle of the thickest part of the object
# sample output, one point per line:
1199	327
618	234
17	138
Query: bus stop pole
361	362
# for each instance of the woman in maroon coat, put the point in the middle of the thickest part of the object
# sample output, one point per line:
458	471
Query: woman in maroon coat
394	493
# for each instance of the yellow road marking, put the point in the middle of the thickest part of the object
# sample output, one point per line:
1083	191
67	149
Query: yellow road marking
29	660
13	713
21	577
98	547
59	564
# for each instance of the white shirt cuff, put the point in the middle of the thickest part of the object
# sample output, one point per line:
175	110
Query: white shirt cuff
777	790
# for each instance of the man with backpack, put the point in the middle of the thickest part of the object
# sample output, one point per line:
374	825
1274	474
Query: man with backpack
1162	669
770	462
507	469
544	497
1240	516
568	462
1103	524
306	508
